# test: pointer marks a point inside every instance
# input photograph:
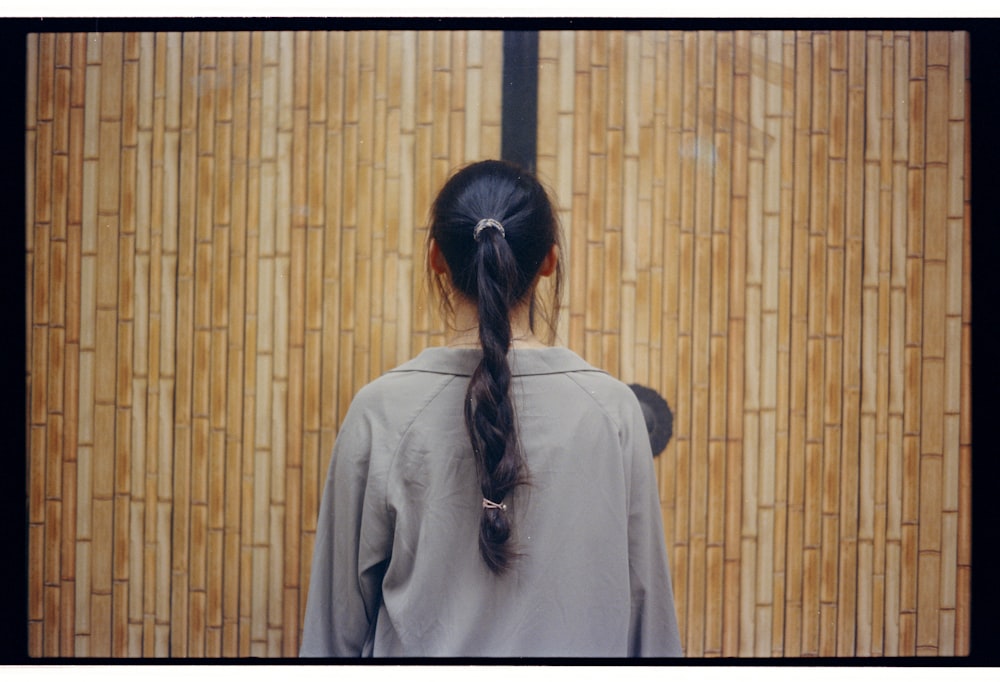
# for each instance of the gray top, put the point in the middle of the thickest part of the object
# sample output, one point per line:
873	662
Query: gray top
396	568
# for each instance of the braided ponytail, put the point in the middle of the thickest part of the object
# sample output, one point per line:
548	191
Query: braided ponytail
494	225
489	412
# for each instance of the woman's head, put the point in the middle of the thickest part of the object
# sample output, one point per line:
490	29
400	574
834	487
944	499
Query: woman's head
512	252
494	227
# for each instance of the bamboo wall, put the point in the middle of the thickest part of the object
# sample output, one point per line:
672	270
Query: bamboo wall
223	244
772	230
221	250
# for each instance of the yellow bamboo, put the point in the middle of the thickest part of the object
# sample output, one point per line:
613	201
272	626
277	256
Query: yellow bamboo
223	243
225	603
950	628
893	531
962	645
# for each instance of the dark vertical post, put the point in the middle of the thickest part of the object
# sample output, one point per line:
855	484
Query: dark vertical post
519	124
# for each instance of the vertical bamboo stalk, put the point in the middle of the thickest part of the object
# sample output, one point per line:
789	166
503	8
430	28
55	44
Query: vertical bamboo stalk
331	255
579	181
913	340
736	357
798	345
218	213
287	120
381	331
719	350
933	495
821	134
293	436
104	569
37	247
962	645
125	635
852	331
489	143
43	346
870	314
896	347
754	556
767	350
702	96
88	335
240	356
832	330
364	292
950	626
253	54
264	65
184	623
140	99
785	99
166	149
887	104
202	188
151	191
312	473
76	63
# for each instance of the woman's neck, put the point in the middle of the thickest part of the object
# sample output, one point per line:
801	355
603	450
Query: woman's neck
465	333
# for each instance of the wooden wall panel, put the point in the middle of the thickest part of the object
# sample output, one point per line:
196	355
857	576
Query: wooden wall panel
210	217
224	242
804	256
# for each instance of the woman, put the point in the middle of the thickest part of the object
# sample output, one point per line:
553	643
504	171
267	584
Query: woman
495	497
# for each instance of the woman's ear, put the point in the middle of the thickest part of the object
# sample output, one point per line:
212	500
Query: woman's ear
436	259
549	263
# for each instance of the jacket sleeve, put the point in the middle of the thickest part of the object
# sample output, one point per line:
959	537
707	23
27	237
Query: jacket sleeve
653	627
351	548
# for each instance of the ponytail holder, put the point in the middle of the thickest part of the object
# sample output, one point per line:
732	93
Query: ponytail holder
487	222
490	504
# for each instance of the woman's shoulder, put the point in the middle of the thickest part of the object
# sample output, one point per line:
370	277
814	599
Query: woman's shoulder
406	384
586	381
415	380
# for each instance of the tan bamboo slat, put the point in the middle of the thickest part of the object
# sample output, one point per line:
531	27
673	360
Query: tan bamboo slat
798	343
870	349
186	245
719	350
224	242
821	135
735	339
233	471
933	494
949	643
871	642
273	514
71	592
755	564
256	549
890	630
311	457
912	369
962	636
848	323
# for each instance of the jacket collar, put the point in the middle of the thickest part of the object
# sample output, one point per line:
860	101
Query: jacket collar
523	361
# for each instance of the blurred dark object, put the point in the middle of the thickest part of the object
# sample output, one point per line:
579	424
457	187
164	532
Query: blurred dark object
659	418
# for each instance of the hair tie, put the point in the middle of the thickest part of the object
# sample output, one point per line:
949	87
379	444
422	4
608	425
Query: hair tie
490	504
487	222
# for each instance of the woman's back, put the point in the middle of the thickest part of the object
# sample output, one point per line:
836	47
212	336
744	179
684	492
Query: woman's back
494	498
587	528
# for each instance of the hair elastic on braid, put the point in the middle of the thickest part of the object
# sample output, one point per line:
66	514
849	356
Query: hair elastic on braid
487	222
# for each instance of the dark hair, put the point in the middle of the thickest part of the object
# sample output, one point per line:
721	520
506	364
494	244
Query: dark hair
498	271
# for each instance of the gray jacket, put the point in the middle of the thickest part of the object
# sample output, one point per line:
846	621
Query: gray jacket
396	568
